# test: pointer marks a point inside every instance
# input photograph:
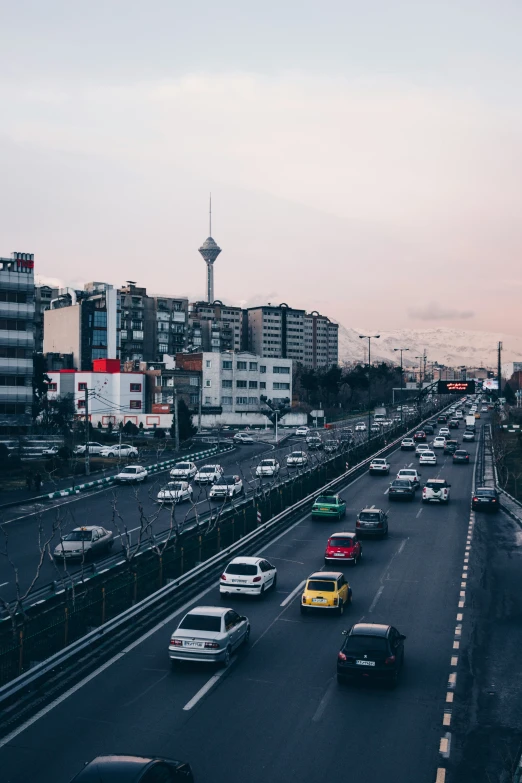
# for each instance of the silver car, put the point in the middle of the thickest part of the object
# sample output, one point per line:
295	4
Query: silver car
209	634
84	542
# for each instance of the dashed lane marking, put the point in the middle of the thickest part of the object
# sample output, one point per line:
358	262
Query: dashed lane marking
377	596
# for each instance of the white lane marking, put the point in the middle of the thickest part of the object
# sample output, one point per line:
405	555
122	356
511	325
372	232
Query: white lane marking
293	593
419	512
449	696
323	703
403	544
4	584
207	686
445	745
377	596
42	509
284	559
386	492
446	720
441	775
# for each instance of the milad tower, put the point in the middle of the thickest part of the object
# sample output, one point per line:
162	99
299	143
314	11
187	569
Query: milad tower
210	251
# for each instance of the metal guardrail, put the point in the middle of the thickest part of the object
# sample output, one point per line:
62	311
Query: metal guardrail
146	606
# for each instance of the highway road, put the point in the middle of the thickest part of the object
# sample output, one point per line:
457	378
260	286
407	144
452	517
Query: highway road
277	713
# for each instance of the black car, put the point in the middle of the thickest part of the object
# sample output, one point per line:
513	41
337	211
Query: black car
401	489
134	769
371	650
314	443
461	456
485	499
429	429
442	419
451	446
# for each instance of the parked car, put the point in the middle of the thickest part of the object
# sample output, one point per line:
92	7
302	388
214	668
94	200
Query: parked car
134	769
411	474
93	448
209	634
132	474
461	457
371	650
372	522
226	488
302	431
343	546
267	467
297	459
485	499
379	466
175	492
242	437
184	471
328	506
326	590
208	474
428	458
248	576
125	450
84	542
401	489
407	444
436	491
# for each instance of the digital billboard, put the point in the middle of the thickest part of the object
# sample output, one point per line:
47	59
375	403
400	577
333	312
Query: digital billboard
490	384
456	387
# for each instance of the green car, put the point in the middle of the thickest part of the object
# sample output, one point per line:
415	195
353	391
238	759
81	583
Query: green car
329	506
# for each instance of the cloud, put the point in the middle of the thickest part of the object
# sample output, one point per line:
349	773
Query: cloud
434	311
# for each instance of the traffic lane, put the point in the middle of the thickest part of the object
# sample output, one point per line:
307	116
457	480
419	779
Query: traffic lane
302	545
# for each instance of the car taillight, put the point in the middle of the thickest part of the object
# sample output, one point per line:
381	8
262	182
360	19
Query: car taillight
357	524
303	599
335	601
341	656
389	661
176	642
493	500
256	579
223	577
475	500
211	645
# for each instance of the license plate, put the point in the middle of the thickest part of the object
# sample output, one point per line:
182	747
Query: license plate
324	509
338	554
318	600
399	491
238	582
365	663
193	644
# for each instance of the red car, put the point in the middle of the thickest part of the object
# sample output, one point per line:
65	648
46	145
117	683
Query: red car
420	436
343	546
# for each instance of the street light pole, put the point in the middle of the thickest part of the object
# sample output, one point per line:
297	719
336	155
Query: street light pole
369	338
402	380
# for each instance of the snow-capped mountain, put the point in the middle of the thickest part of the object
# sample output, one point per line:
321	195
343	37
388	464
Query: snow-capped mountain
451	347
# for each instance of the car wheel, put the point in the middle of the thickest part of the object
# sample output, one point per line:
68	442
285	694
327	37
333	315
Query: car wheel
246	637
223	596
355	561
262	593
341	680
303	609
228	655
274	583
340	610
111	454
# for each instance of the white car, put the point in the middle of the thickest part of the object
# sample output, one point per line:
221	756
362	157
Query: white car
209	634
438	443
304	431
94	448
208	474
379	466
360	426
267	467
249	576
444	432
297	459
226	488
436	491
459	415
50	451
119	451
242	437
428	458
175	492
375	427
420	448
407	444
84	542
184	471
132	474
484	409
411	475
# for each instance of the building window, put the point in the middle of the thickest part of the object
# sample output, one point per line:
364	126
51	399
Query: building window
226	384
99	353
163	348
262	384
241	400
252	384
241	384
253	401
194	399
100	318
281	370
135	405
208	383
227	365
208	363
99	337
193	381
135	387
227	401
52	387
81	403
208	400
282	386
262	368
13	324
241	365
82	387
252	366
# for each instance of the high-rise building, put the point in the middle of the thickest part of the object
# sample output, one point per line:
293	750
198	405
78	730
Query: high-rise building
43	296
16	342
214	327
321	341
276	331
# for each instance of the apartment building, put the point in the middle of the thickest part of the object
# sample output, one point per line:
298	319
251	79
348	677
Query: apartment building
234	382
43	296
214	327
321	341
16	342
276	332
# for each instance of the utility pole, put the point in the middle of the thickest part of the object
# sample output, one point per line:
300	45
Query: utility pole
402	381
499	369
176	420
369	338
87	462
200	400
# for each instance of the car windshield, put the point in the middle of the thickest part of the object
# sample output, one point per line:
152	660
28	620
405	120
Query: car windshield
379	462
427	454
346	542
129	470
321	586
459	453
225	481
486	493
78	535
407	472
435	484
182	466
174	486
241	569
365	644
327	499
267	463
296	454
208	469
401	483
201	622
369	516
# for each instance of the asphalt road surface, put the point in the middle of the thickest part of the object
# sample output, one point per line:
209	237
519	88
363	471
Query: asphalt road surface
277	713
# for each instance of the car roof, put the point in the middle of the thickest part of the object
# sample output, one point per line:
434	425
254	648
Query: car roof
217	611
116	769
343	534
369	509
436	481
86	527
325	575
369	629
247	560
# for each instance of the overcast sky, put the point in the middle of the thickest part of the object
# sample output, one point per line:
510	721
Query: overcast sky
364	158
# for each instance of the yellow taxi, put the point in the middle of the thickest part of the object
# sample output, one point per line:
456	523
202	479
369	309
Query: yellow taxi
477	415
327	590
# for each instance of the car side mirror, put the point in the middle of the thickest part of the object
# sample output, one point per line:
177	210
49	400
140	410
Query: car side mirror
402	637
449	485
243	617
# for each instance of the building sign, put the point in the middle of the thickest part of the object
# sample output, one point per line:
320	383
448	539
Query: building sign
456	387
490	384
24	260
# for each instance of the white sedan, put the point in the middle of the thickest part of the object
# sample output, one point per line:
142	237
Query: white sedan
242	437
132	474
444	432
438	443
208	474
125	450
360	426
183	470
249	576
175	492
428	458
302	431
297	459
267	467
50	451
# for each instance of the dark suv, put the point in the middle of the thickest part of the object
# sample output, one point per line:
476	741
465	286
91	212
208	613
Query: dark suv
371	650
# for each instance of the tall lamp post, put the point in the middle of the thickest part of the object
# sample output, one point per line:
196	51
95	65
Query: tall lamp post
369	338
402	379
421	359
